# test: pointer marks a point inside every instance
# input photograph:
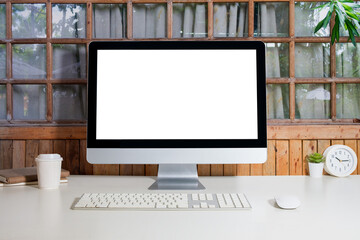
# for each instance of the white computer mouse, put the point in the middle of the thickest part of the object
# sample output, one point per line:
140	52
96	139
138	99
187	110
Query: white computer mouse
287	201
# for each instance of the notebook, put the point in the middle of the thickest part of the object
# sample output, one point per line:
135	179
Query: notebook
19	175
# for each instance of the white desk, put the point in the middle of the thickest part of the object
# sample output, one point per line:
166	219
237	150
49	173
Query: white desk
330	210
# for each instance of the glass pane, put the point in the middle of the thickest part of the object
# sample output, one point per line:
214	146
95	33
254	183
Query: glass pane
109	20
69	102
2	61
2	101
68	20
29	61
189	20
312	59
29	20
277	60
306	19
348	100
271	19
29	102
2	21
69	61
277	99
230	19
149	20
312	101
347	60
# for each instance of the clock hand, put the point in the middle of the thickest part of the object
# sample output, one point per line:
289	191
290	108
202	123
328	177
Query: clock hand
347	160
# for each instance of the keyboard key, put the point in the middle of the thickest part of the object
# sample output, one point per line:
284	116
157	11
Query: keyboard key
203	205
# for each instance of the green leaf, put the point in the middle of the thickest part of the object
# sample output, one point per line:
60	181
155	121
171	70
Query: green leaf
352	15
321	6
351	27
319	25
333	35
351	36
337	31
327	20
347	1
340	16
347	8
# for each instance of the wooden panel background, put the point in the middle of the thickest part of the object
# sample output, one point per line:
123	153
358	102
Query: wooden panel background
286	151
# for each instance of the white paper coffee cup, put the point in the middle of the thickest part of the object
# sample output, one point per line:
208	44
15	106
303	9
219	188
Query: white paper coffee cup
48	170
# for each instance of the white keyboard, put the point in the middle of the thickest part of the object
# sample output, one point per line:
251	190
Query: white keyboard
163	201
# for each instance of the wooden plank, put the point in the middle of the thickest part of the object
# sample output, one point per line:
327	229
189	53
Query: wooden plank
49	102
8	101
251	18
6	152
314	132
30	132
60	148
337	141
32	151
274	132
282	157
296	164
169	19
204	169
333	91
46	146
72	156
139	170
256	169
151	169
85	166
106	169
309	147
129	20
210	25
18	160
217	170
230	169
291	101
243	170
126	169
291	18
269	165
353	146
322	146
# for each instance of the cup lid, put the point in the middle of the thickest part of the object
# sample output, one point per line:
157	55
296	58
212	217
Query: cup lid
53	156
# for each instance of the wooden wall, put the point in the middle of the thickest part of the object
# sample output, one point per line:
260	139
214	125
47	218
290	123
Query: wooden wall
287	148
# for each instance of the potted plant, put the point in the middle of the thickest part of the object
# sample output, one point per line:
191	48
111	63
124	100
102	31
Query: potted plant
316	164
347	16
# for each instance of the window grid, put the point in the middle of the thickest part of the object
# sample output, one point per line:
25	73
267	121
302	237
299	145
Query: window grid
291	40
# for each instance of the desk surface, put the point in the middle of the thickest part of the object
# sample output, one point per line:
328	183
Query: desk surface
330	209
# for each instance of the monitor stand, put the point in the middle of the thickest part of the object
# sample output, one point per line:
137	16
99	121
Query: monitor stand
177	177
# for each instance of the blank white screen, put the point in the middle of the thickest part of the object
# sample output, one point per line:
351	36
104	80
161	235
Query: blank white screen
176	94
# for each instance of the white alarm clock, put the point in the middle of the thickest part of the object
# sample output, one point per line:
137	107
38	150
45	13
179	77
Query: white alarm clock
340	160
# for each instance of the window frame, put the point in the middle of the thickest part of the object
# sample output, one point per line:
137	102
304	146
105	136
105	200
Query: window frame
291	81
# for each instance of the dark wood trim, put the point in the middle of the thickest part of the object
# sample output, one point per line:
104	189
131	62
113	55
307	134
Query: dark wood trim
44	133
275	132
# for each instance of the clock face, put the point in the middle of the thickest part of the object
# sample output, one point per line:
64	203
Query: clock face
340	161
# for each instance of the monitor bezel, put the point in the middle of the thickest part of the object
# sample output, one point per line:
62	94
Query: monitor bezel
260	142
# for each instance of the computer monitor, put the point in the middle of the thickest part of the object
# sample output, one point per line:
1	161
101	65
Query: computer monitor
176	104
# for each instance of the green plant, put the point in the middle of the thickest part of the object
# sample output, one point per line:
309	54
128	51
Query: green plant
346	16
315	158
